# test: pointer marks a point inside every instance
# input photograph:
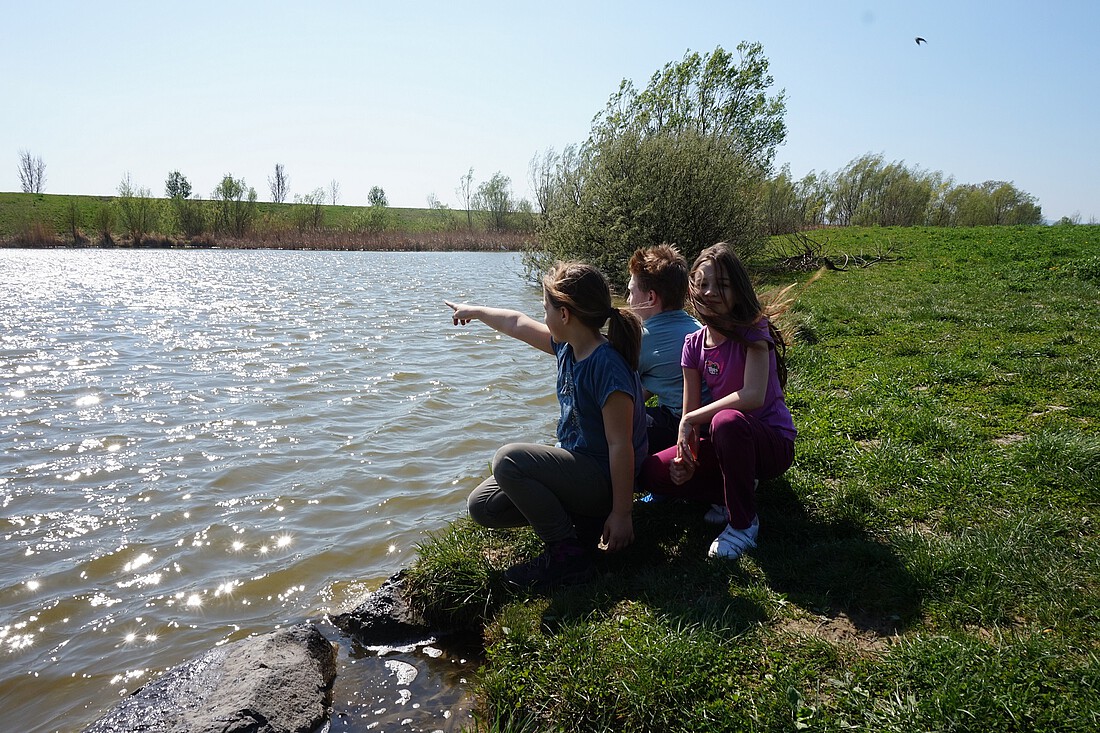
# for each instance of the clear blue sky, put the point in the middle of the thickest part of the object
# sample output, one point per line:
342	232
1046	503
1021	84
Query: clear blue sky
409	95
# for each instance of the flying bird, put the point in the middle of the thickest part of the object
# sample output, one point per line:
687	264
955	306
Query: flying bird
920	40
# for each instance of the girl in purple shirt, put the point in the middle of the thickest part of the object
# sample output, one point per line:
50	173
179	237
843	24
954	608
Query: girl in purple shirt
745	433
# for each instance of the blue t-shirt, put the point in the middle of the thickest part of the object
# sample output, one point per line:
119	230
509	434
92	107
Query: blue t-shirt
659	364
583	389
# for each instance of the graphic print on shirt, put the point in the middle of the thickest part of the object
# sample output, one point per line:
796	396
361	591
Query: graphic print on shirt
568	390
712	368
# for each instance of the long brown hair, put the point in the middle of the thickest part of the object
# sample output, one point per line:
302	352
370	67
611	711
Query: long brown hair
586	293
744	311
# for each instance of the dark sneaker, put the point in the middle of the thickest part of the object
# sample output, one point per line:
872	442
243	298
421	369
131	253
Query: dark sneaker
562	563
589	530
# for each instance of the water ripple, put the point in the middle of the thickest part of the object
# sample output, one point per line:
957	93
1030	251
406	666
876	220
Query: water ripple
201	445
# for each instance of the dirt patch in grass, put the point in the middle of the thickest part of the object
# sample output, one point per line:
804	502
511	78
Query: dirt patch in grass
863	632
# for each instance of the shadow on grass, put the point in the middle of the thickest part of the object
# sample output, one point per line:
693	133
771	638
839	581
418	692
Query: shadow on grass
833	567
829	569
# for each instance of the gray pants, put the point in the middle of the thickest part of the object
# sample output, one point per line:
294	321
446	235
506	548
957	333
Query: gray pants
541	485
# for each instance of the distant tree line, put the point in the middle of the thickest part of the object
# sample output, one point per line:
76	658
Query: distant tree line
688	159
232	209
870	192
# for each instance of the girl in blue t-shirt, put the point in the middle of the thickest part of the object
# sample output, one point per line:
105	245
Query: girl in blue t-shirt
745	433
579	492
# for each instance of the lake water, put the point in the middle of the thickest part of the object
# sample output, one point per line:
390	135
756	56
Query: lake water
201	445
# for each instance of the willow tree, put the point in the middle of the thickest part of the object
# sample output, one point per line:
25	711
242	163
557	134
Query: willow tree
680	161
234	204
137	210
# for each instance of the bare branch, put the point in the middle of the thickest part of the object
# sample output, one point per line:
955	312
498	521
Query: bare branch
32	172
279	183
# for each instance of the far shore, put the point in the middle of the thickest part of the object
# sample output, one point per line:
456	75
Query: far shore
387	241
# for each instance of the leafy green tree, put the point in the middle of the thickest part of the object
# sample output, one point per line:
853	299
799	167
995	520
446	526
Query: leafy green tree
234	206
442	215
137	210
851	187
715	94
870	192
190	219
104	221
680	161
789	206
523	217
779	202
177	186
377	197
309	210
1011	205
938	213
991	203
494	200
74	220
897	197
812	194
376	218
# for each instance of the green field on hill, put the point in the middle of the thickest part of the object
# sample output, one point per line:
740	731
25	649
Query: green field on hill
18	209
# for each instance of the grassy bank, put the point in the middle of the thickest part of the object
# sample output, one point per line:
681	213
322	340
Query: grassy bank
929	563
60	220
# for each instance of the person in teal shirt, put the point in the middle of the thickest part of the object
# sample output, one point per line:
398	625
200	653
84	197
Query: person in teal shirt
656	293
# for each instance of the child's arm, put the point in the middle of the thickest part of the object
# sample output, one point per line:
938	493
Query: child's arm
509	322
618	426
693	390
683	465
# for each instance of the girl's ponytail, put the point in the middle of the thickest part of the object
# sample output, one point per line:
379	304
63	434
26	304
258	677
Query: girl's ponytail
624	332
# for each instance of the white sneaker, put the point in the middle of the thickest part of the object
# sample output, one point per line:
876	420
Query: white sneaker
732	543
716	514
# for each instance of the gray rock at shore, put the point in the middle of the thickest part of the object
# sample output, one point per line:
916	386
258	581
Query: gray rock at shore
385	618
274	683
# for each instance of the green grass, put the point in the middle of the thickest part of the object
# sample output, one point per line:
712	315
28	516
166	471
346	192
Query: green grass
929	563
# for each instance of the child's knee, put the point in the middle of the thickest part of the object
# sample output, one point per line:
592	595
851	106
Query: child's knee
503	461
507	461
654	472
476	506
729	425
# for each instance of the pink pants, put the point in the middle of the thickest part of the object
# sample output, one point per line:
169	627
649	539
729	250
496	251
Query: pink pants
738	451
